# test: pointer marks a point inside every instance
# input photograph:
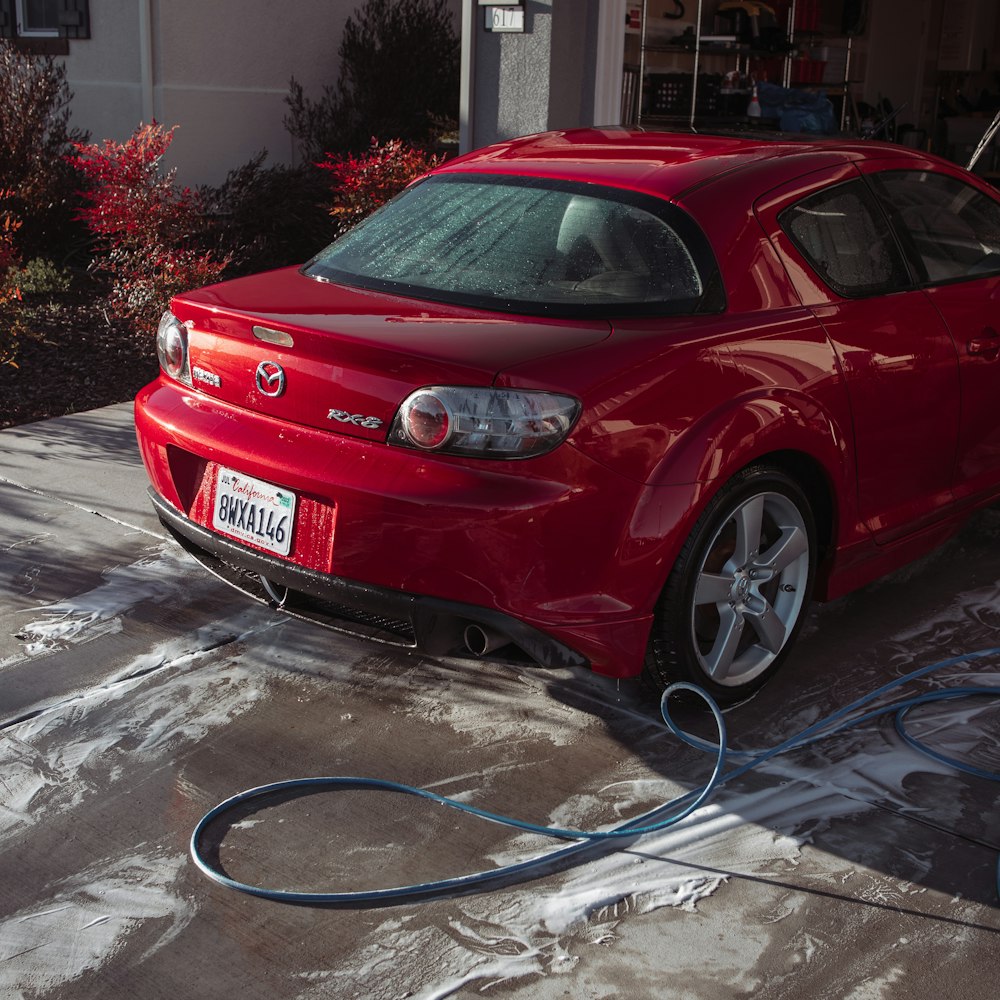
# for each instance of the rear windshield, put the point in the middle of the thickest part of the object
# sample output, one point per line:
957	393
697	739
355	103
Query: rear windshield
529	245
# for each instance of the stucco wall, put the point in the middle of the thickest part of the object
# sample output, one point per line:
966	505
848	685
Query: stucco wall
512	77
104	71
218	69
541	79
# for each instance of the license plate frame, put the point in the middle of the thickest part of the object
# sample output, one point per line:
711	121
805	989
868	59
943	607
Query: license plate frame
253	511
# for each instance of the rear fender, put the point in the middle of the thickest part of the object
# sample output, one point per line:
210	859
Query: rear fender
740	431
784	427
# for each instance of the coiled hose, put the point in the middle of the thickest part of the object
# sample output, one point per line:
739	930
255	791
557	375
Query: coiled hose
666	815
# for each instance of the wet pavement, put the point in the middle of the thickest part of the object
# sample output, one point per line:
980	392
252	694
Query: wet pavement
136	691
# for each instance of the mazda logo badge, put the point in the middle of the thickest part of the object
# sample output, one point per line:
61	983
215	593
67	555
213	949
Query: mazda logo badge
270	378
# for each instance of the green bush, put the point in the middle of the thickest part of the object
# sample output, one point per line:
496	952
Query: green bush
41	277
35	139
399	79
264	217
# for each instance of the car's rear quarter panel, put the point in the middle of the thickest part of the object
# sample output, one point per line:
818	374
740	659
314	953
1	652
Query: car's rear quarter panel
692	400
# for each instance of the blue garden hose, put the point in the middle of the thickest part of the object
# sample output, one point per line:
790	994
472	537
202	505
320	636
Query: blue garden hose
666	815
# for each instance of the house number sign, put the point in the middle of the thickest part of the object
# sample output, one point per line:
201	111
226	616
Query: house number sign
507	18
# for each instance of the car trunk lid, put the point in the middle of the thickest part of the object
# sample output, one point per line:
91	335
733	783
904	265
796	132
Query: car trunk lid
343	359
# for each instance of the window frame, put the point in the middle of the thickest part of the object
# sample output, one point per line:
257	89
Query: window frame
21	13
903	231
878	212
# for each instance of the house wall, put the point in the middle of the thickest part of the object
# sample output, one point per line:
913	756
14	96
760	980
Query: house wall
544	78
513	76
104	71
218	69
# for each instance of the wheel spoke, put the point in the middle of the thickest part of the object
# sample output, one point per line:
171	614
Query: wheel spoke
720	660
792	544
713	588
769	627
749	519
745	587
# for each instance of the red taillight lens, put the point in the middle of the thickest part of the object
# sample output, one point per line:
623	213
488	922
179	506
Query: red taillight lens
172	348
484	422
173	354
426	420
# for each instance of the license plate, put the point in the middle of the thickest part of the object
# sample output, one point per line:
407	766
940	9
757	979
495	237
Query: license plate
253	511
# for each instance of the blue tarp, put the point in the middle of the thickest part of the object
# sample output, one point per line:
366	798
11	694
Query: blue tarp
796	110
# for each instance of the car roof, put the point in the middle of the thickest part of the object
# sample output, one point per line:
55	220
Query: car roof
662	163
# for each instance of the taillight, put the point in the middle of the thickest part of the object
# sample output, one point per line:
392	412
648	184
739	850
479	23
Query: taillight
426	420
483	423
172	348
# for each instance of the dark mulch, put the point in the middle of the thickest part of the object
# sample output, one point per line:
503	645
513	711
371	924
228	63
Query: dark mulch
69	357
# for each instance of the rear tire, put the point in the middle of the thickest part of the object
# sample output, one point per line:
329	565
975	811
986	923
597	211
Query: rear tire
738	593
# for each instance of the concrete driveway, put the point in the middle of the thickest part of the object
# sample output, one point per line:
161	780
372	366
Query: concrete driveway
136	692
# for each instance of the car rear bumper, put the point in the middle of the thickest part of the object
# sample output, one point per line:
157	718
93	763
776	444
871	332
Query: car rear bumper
429	624
558	553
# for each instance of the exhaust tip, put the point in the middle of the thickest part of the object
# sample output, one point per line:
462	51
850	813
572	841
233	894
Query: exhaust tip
480	640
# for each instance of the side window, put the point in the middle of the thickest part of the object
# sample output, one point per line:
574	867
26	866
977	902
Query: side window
953	228
845	236
41	27
37	17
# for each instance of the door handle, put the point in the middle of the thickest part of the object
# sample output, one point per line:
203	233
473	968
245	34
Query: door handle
987	344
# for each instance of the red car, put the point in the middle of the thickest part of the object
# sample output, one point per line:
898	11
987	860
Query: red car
609	397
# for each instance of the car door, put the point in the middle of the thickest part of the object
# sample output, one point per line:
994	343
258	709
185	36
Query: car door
895	352
952	230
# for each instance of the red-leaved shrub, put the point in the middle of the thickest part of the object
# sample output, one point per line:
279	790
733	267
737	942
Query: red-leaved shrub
147	228
360	184
9	257
9	292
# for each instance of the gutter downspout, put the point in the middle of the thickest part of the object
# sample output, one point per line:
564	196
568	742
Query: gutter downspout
146	58
609	62
471	15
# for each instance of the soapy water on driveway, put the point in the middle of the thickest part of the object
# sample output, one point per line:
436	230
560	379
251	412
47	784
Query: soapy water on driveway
136	692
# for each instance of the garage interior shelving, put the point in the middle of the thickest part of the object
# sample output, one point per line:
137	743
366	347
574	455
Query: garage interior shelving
691	62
